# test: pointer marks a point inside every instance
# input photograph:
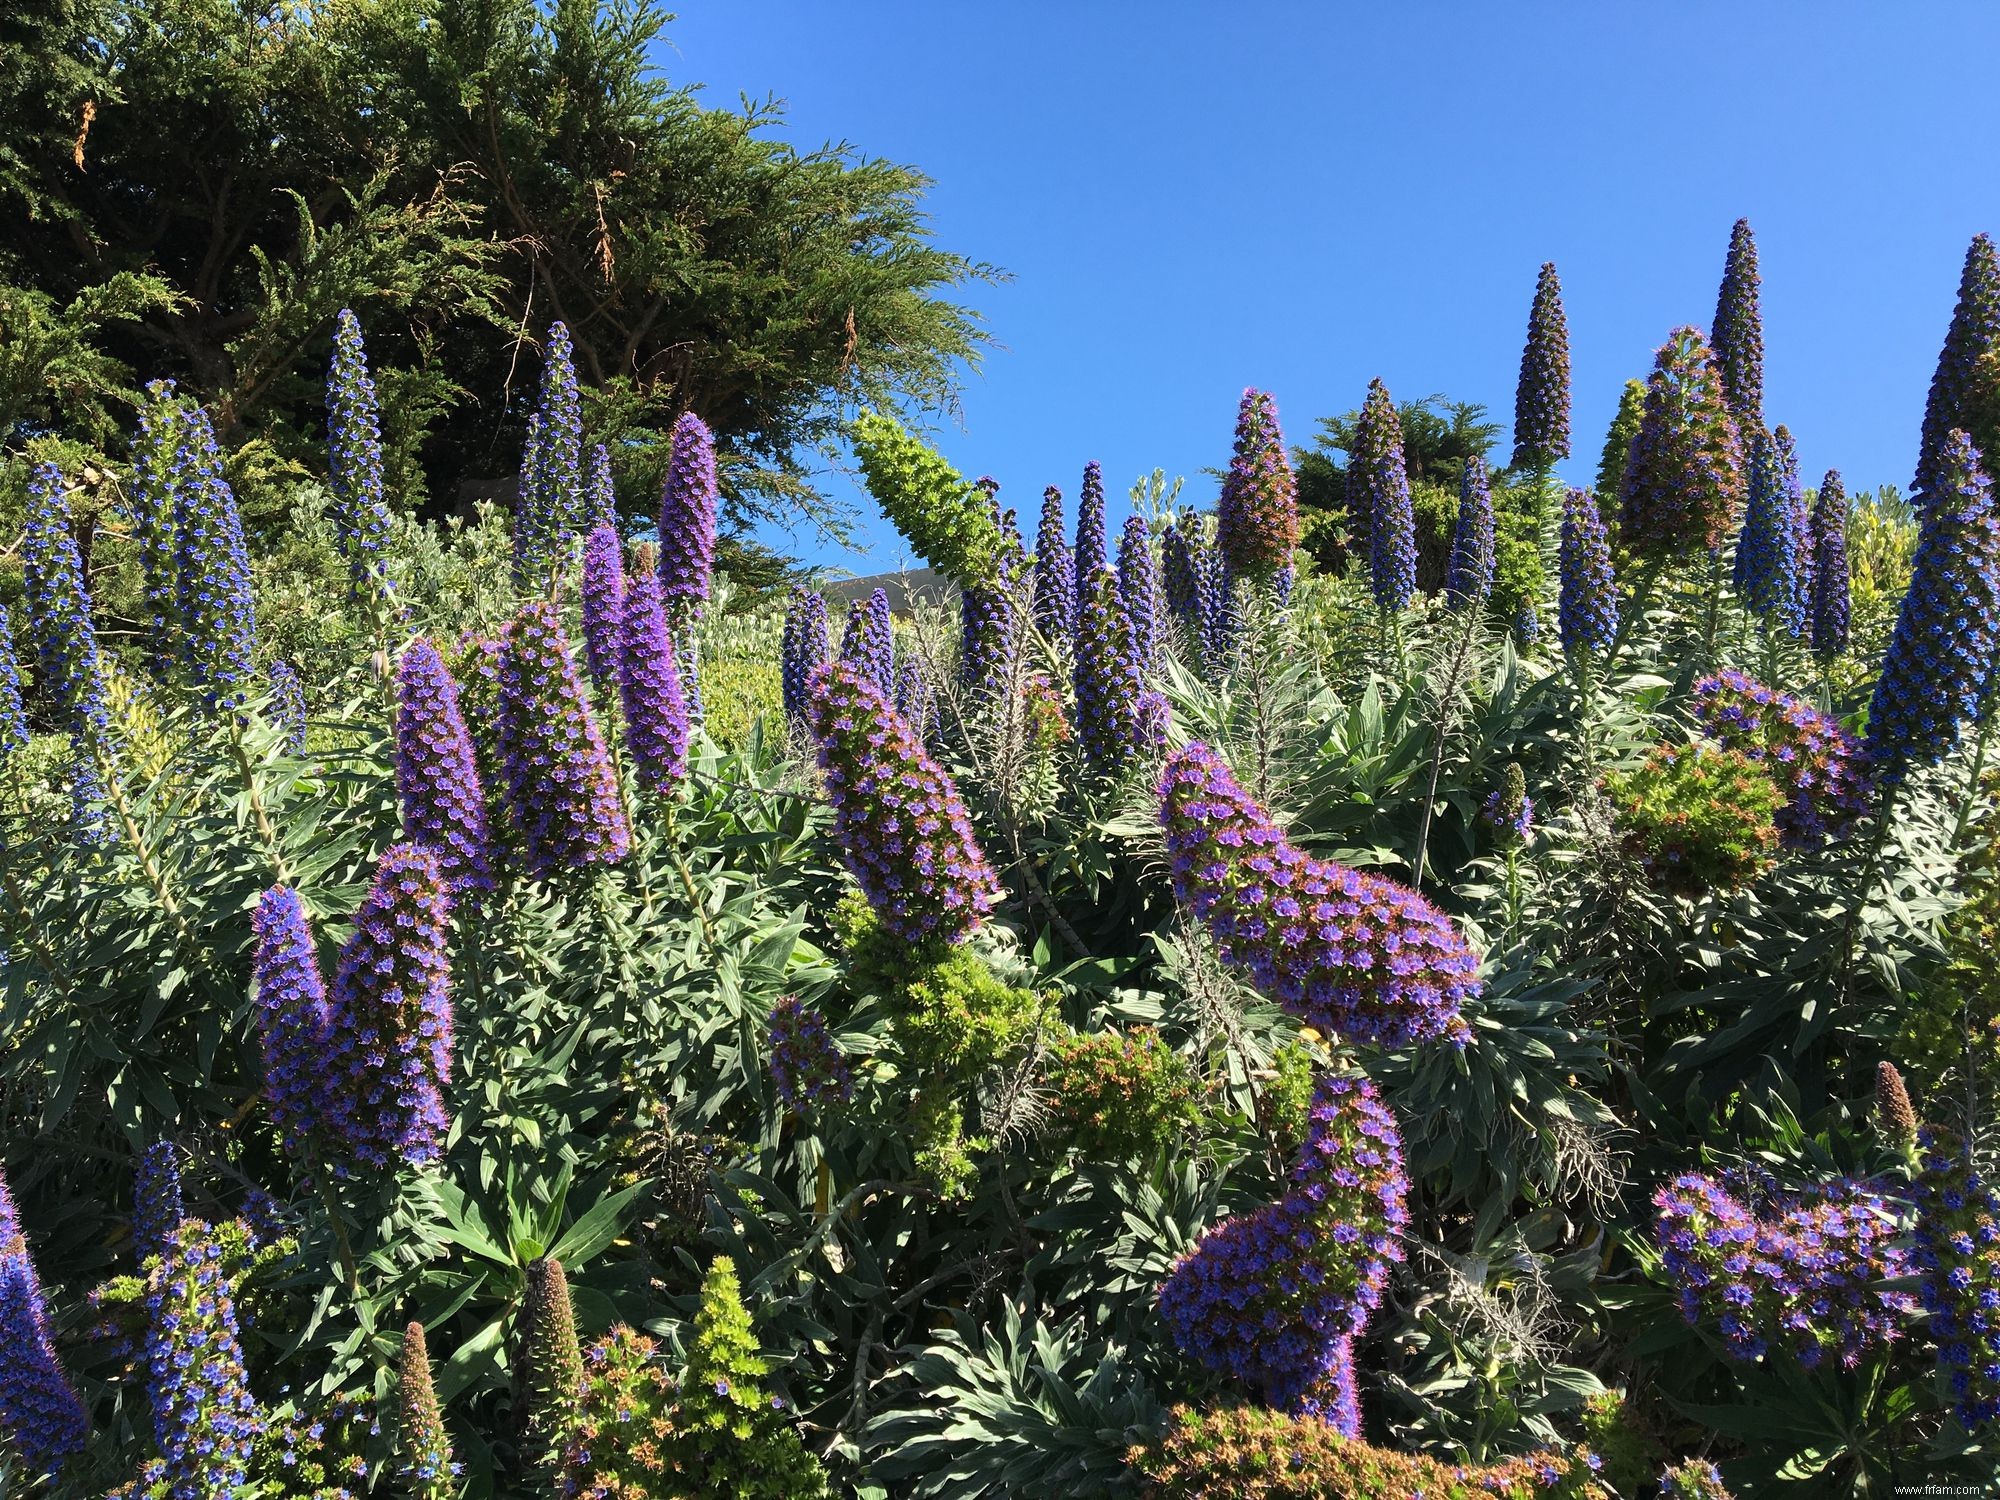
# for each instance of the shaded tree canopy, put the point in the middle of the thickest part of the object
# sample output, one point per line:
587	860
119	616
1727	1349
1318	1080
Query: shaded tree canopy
194	187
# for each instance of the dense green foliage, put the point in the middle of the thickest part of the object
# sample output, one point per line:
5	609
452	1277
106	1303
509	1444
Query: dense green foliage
195	186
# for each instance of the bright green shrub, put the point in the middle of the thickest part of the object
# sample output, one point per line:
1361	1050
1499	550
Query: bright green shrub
641	1435
1698	818
1245	1453
1120	1094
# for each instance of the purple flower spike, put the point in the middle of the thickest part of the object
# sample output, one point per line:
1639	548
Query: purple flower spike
1139	591
293	1023
870	639
1940	659
806	1063
1683	479
1276	1297
1179	548
39	1408
1091	553
1966	368
552	507
914	699
561	792
390	1024
205	1419
656	713
13	718
157	1206
1115	714
1817	764
1803	1272
59	609
1257	515
1957	1251
285	703
437	774
217	614
1831	607
603	601
805	649
687	516
354	455
1587	606
1541	395
1378	488
902	828
1773	554
1055	571
1347	952
1738	332
603	507
1469	577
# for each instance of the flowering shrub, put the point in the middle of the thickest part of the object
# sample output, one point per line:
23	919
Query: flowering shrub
1697	817
642	1435
1804	1274
1349	952
1815	764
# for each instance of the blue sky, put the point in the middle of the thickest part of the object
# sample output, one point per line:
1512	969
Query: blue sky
1195	198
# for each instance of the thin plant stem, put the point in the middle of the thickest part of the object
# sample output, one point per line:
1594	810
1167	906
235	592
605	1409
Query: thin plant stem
265	829
714	945
1447	712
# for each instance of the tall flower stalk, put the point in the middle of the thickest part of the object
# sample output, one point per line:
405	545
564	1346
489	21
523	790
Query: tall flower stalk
656	714
389	1019
1962	395
562	795
1737	334
804	650
1541	395
603	602
1257	514
902	828
1055	571
39	1408
437	773
1349	953
354	457
1378	488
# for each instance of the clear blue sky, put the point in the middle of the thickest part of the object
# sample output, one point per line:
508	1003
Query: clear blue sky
1195	198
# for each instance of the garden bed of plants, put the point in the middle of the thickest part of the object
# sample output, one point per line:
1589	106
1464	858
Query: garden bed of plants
1485	989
